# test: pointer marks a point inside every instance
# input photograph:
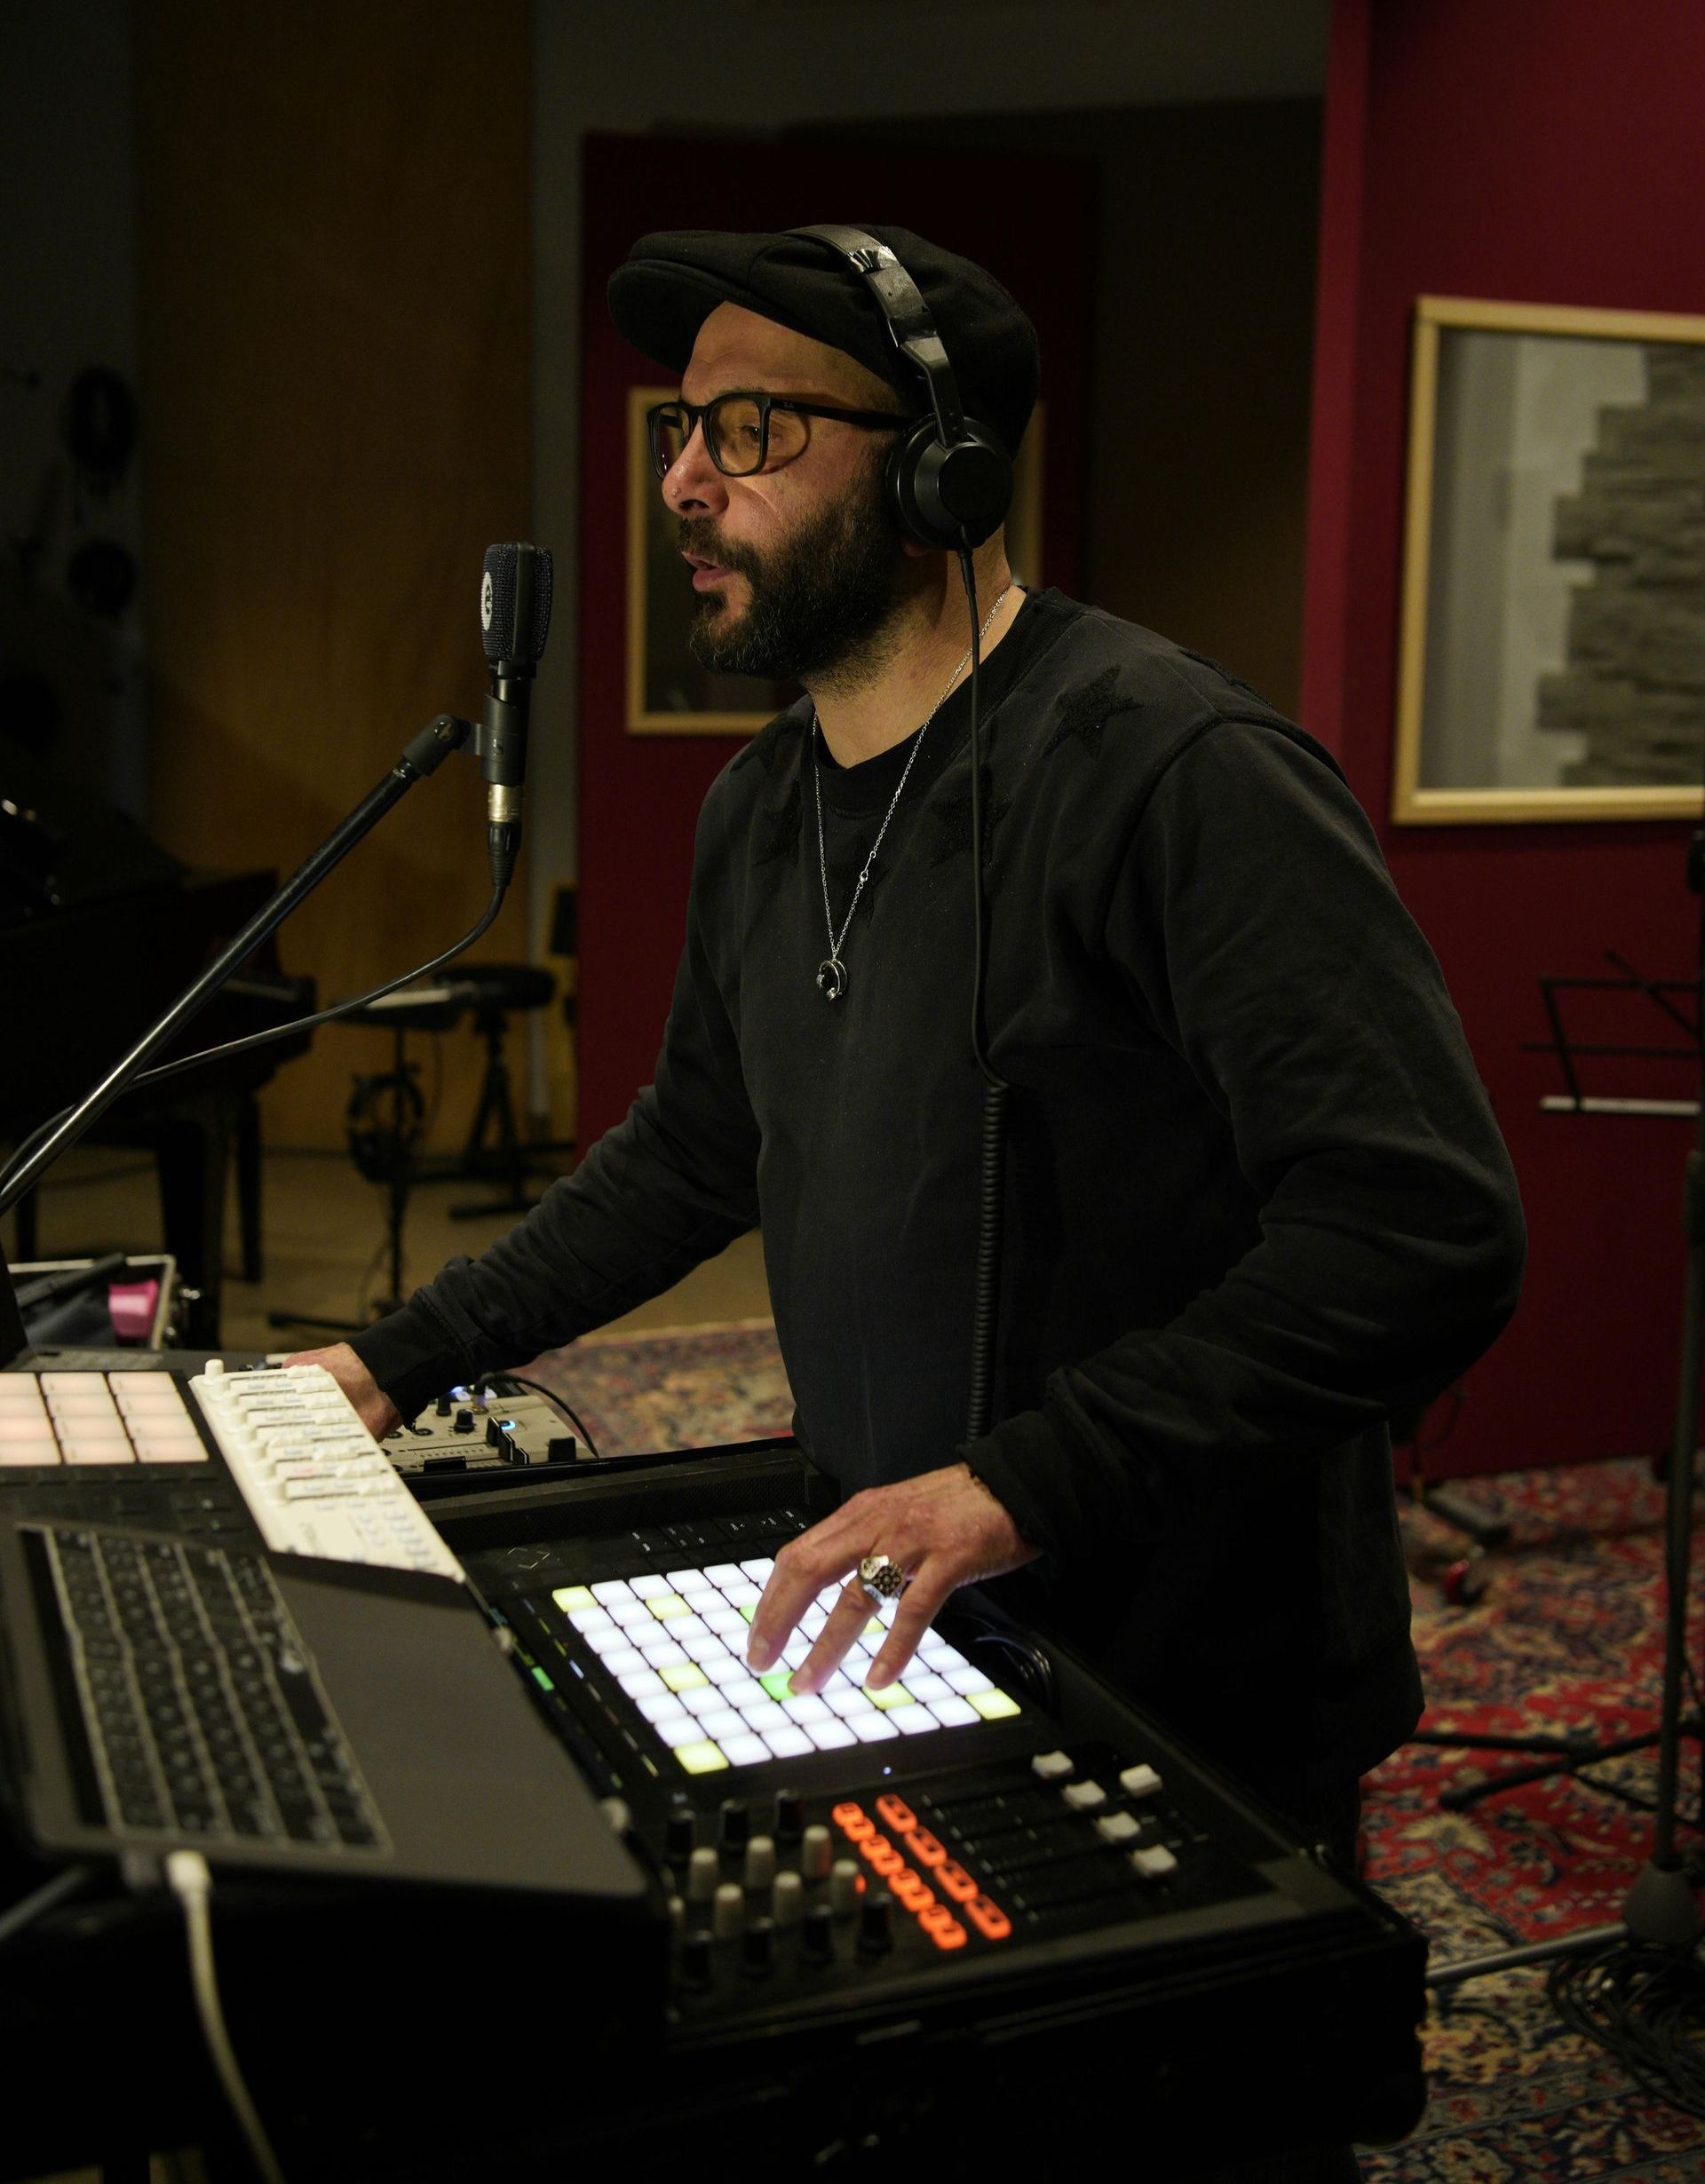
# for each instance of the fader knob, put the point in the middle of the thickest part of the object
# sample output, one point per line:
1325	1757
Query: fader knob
736	1822
813	1853
759	1946
728	1912
702	1874
844	1887
788	1898
760	1861
876	1922
818	1940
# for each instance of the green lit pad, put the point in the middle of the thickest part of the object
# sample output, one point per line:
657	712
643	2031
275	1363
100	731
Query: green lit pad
568	1597
684	1677
748	1613
667	1605
895	1695
701	1759
778	1683
540	1677
993	1706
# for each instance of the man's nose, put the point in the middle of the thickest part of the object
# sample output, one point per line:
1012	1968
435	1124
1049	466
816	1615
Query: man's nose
693	484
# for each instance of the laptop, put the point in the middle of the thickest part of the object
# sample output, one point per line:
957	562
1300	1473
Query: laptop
281	1715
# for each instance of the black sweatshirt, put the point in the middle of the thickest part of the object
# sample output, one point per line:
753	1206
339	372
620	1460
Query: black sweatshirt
1255	1195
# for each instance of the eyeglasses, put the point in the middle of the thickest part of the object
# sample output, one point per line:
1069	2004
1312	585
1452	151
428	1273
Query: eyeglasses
744	431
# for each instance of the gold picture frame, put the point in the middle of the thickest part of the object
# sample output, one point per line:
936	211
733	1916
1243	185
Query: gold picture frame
1542	666
669	694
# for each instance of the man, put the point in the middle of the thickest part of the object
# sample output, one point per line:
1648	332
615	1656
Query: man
1254	1199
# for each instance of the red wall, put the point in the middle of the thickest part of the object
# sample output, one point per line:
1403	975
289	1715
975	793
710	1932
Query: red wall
1545	151
1030	222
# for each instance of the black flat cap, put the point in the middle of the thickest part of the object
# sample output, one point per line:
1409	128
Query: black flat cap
671	283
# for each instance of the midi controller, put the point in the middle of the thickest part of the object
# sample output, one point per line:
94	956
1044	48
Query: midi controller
990	1912
993	1873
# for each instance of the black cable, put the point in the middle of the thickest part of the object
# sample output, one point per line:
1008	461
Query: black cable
40	1901
560	1402
991	1189
274	1032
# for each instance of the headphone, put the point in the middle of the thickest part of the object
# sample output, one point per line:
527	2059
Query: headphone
950	478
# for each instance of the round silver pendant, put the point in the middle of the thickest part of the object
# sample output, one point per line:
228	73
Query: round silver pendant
831	979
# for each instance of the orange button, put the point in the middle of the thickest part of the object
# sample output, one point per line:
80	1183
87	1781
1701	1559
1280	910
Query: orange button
880	1854
910	1890
942	1928
853	1823
955	1881
847	1810
926	1850
897	1813
988	1919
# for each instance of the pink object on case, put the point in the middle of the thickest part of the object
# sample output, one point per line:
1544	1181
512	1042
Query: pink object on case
134	1305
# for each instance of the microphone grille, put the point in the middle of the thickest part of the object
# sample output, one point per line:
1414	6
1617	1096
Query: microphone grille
515	602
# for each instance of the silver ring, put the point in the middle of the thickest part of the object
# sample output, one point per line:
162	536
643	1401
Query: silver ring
882	1578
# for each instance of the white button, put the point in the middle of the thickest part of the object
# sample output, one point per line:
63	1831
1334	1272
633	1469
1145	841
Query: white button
1084	1796
1153	1862
1116	1827
1051	1766
1140	1781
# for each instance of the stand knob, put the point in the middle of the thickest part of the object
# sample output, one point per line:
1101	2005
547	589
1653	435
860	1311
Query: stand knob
760	1861
702	1874
679	1832
818	1940
736	1822
759	1947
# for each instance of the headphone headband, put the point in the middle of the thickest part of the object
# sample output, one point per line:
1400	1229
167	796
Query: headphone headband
906	315
952	485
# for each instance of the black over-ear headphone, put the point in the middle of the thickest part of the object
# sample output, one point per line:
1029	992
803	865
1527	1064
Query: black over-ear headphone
951	478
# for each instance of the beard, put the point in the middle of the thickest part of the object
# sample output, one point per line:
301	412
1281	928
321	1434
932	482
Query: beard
818	599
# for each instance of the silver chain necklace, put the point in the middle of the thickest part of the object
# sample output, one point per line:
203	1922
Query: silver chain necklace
831	972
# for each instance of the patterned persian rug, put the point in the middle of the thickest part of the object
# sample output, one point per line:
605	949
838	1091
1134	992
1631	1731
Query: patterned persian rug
1567	1635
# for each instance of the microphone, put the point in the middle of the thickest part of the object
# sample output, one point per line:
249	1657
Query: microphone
514	621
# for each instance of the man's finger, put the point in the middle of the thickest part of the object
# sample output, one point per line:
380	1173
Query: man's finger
851	1614
803	1569
919	1605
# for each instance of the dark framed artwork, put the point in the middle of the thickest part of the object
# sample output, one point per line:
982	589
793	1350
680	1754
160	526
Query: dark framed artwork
669	692
1553	655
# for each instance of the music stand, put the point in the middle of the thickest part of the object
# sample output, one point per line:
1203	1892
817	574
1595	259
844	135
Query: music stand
1660	1907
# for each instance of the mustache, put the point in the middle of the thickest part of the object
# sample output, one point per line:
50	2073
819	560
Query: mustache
697	535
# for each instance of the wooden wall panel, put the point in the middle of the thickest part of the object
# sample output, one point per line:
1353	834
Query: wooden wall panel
332	213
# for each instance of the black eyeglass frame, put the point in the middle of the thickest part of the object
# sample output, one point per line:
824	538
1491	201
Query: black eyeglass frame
695	413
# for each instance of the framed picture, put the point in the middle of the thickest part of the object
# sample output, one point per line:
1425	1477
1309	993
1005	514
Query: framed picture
1553	655
669	692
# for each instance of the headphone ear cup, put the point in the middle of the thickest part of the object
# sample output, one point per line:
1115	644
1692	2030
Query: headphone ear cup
944	495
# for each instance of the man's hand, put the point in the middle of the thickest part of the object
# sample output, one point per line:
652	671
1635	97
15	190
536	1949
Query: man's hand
379	1414
944	1531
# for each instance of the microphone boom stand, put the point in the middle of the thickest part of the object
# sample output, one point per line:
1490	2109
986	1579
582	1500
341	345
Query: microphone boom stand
424	754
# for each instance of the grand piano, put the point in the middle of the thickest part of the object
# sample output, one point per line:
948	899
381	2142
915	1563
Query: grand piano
100	928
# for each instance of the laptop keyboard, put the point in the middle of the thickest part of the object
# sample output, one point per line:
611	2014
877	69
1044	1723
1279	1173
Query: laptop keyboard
199	1701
